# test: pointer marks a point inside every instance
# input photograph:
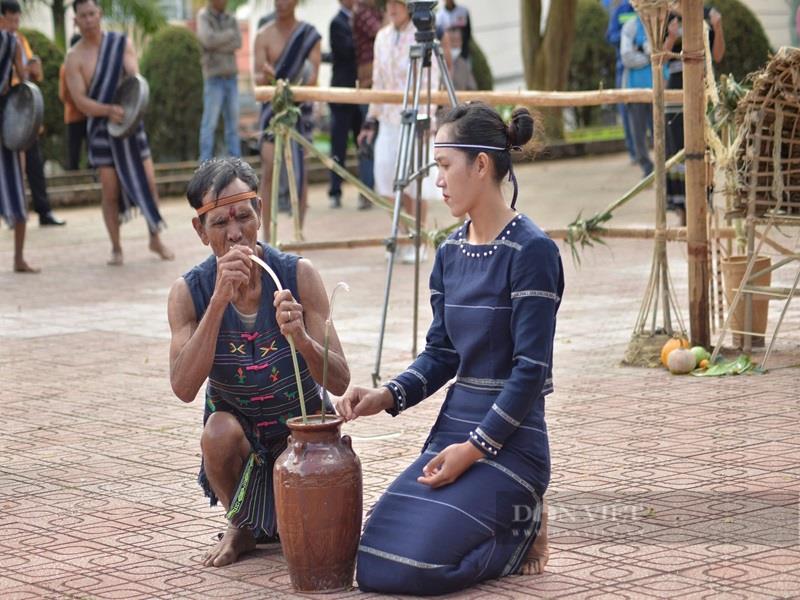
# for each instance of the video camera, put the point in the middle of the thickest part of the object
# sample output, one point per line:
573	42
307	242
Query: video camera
424	20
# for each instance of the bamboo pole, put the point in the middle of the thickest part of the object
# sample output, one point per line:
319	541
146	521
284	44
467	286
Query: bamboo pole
660	173
294	197
675	234
695	145
271	227
522	97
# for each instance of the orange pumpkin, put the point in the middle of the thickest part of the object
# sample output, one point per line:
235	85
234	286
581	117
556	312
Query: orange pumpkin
672	344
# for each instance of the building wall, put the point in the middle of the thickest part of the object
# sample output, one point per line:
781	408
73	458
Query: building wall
176	10
774	16
38	16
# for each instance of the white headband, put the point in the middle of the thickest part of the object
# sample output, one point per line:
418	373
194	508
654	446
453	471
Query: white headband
511	177
473	146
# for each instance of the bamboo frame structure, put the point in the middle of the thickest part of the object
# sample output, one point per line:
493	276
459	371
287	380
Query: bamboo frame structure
766	187
659	296
531	98
675	234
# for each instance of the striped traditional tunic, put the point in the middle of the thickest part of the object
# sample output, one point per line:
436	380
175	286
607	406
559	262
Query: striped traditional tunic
125	155
494	318
253	379
12	191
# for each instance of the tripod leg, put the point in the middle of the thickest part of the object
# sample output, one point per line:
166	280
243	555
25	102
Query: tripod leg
392	249
448	83
411	139
400	182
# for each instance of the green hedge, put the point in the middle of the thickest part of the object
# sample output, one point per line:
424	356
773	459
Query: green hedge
593	59
53	141
480	67
171	65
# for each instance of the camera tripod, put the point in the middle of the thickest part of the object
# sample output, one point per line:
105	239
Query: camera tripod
413	157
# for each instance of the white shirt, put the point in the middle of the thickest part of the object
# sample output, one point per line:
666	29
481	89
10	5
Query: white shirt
390	69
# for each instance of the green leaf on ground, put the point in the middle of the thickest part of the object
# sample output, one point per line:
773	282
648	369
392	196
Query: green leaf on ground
732	367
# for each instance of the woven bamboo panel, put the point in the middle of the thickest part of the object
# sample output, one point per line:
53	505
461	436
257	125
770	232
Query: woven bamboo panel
767	165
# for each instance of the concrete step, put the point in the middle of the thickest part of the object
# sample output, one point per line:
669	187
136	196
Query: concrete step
80	188
83	189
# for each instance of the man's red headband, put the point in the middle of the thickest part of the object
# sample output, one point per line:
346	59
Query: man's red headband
225	201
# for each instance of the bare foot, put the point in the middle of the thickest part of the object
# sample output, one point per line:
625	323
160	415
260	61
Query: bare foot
20	266
233	544
159	248
539	552
116	259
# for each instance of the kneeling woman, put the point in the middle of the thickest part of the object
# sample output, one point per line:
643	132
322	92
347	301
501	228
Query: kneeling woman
469	508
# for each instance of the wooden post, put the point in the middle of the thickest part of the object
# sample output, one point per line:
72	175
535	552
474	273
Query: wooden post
695	144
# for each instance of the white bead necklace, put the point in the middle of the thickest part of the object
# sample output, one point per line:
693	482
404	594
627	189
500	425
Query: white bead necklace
485	253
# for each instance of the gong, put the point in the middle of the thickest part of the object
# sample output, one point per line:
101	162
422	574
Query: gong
22	116
132	94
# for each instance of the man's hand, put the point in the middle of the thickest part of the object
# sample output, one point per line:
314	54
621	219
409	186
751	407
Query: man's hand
365	136
289	316
116	114
268	70
715	18
359	401
449	464
674	28
35	68
233	271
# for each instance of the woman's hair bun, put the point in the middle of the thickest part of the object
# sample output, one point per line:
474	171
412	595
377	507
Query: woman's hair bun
520	129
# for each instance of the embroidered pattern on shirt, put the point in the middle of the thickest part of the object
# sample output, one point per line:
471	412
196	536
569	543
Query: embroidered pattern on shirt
532	361
505	416
535	294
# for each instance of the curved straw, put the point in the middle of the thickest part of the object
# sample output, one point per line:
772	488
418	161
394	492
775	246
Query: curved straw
278	285
328	323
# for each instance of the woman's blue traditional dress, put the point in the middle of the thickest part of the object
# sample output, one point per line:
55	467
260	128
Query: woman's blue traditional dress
494	318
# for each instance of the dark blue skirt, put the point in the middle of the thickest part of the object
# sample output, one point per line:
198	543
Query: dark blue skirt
425	541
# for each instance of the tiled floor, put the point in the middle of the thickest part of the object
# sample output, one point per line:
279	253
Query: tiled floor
662	486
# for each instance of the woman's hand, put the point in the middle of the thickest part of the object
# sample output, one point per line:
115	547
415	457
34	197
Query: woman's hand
358	402
449	464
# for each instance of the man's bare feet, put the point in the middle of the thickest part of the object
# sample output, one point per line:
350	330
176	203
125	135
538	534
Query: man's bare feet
539	552
233	544
116	259
20	266
157	246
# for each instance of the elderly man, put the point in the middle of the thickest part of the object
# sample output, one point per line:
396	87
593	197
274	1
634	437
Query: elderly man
229	325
